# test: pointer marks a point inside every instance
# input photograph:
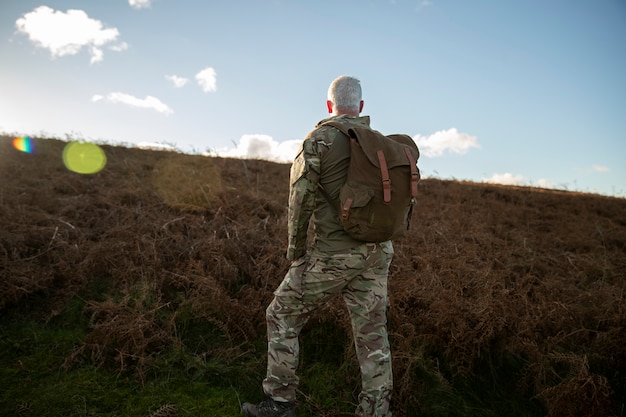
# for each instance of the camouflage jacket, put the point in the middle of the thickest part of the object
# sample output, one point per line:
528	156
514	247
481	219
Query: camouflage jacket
323	158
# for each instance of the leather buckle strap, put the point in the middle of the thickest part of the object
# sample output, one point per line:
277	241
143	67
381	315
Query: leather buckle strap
345	209
384	172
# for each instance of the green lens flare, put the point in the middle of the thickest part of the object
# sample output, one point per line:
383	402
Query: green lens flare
84	158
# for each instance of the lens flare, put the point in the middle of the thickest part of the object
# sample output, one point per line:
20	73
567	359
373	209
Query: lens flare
84	158
24	144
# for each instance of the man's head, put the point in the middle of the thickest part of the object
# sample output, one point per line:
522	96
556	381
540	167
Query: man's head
344	96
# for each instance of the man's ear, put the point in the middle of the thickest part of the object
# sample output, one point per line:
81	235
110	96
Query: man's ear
361	106
329	105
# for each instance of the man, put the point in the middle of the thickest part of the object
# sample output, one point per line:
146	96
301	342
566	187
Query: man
334	264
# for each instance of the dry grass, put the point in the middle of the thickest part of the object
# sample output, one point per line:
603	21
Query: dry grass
492	282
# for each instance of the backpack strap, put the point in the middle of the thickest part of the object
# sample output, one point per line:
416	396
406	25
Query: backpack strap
415	176
345	130
326	195
384	173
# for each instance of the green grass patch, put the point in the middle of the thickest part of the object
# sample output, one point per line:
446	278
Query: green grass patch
43	372
36	380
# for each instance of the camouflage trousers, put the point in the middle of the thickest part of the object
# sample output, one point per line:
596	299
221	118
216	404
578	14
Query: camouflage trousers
360	276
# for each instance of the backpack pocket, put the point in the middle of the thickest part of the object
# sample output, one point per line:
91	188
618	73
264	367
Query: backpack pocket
359	194
357	212
353	196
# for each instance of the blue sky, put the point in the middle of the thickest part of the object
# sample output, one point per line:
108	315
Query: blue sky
526	92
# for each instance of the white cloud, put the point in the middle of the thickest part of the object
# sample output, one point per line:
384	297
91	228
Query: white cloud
263	147
506	179
96	54
519	180
600	168
423	4
155	146
149	102
122	46
67	33
139	4
206	79
543	183
445	140
177	81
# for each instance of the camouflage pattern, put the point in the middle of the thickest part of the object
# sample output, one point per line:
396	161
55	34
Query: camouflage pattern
304	178
335	264
360	276
321	159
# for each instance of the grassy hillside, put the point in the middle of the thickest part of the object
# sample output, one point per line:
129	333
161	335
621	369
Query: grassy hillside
141	291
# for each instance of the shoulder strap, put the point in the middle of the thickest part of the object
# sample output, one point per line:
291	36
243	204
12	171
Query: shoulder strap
346	131
340	126
326	195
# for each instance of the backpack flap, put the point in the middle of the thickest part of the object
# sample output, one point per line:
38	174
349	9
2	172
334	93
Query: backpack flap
377	198
387	153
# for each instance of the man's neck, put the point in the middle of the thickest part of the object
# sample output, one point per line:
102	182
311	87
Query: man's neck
346	113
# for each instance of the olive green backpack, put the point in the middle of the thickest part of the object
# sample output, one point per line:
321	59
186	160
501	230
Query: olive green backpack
376	202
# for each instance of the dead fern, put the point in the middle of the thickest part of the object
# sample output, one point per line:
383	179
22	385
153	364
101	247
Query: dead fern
485	271
166	410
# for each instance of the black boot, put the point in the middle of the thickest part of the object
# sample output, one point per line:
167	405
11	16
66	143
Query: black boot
269	408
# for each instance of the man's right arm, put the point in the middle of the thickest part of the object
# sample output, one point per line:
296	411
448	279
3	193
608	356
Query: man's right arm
304	178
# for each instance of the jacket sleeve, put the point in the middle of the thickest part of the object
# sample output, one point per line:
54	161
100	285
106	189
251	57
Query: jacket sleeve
304	178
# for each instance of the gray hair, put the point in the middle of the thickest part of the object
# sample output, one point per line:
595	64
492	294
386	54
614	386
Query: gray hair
345	93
